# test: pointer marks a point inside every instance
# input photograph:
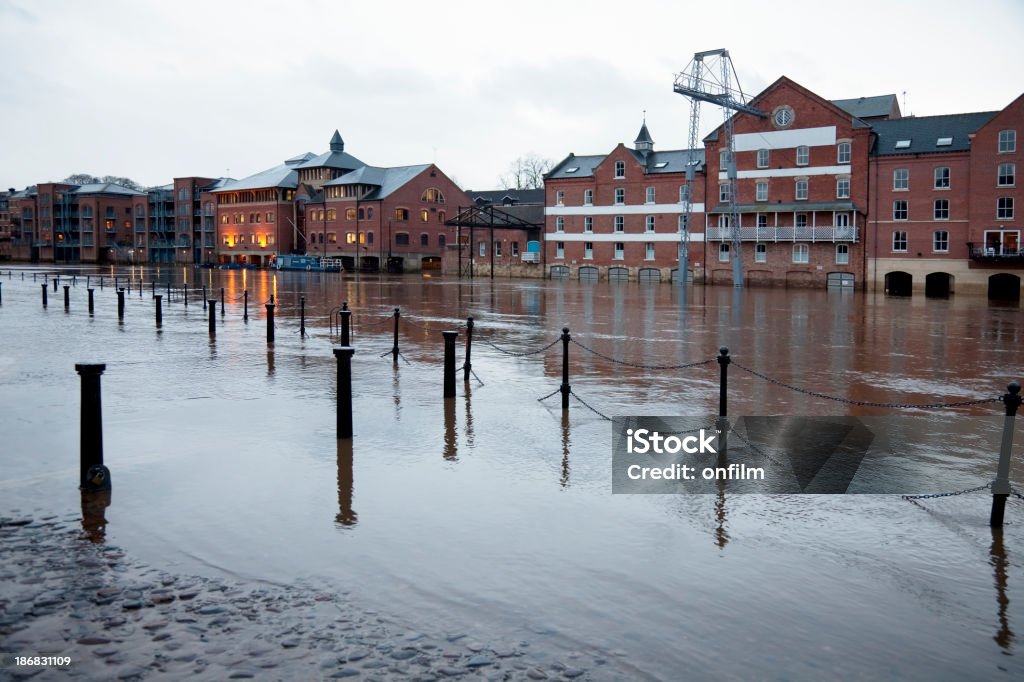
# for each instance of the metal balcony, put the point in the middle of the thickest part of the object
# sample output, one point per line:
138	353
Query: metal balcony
785	234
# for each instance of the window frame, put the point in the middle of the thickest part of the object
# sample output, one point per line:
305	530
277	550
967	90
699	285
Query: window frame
620	170
801	187
803	155
620	196
843	181
900	210
559	249
619	251
1007	141
941	178
763	158
649	195
801	253
940	209
1004	208
899	242
937	240
649	224
1001	176
588	224
618	224
844	152
900	179
588	197
760	252
761	190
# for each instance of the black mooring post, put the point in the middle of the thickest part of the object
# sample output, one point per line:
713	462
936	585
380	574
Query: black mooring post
159	310
245	313
346	320
222	301
1	293
722	425
1001	486
302	316
55	284
344	356
184	292
394	348
565	388
204	297
101	283
92	474
90	301
213	318
168	291
67	298
466	366
270	323
120	304
449	363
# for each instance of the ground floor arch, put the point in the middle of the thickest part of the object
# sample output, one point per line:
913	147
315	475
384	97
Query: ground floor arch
938	285
899	283
1004	287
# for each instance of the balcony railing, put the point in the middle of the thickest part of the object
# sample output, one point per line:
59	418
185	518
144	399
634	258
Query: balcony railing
531	257
785	234
997	253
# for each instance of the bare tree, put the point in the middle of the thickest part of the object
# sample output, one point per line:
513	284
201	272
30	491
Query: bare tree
80	179
88	179
526	172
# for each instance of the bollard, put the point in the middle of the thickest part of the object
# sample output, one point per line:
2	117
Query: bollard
140	287
466	366
344	356
185	293
565	388
101	283
204	297
168	291
302	317
1001	486
55	284
74	280
120	304
270	323
449	363
90	302
152	288
245	314
346	320
213	318
722	425
222	301
88	281
92	474
159	310
67	297
394	349
1	293
44	294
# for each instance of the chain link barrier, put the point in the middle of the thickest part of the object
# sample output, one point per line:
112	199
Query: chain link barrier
637	365
586	405
868	403
540	400
414	324
471	371
520	355
753	447
952	494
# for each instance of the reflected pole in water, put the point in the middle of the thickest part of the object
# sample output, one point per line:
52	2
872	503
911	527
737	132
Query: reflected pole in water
1001	486
721	534
94	520
566	443
451	441
1000	564
270	362
469	417
347	517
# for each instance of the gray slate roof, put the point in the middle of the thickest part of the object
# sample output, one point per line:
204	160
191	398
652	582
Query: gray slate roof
106	188
386	180
278	176
518	196
869	107
584	166
332	159
675	162
924	131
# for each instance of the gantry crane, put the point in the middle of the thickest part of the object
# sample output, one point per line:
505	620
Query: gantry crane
709	78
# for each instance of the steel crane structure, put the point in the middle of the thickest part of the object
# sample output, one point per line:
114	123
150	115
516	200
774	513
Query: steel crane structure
710	77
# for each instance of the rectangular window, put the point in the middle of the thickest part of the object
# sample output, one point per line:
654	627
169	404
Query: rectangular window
942	177
723	252
940	241
682	224
684	194
1007	141
559	224
402	239
801	220
899	241
901	179
761	191
762	158
619	223
843	188
725	192
620	169
843	153
762	220
515	248
649	195
649	224
842	254
942	209
497	248
801	253
588	224
801	190
1004	208
620	196
483	249
649	251
559	198
760	253
899	210
588	197
620	251
588	250
1007	175
803	155
332	237
559	249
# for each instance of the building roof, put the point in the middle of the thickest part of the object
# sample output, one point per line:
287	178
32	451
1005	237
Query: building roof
386	180
671	161
870	107
217	184
106	188
332	159
927	134
508	197
301	158
575	167
278	176
644	136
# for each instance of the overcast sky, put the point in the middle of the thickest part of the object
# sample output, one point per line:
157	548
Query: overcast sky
157	90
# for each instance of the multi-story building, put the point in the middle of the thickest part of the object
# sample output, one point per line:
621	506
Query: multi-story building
499	234
622	215
22	207
5	225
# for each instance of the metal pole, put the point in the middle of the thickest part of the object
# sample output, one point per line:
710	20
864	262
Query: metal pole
222	301
120	304
92	474
55	284
565	388
2	293
344	356
466	366
204	297
67	297
449	363
90	301
245	314
1001	486
159	310
302	316
722	424
213	318
346	315
185	293
44	294
270	324
394	348
101	283
168	291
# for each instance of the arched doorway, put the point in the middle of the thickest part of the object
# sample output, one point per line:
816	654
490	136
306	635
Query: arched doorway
938	285
899	283
1004	287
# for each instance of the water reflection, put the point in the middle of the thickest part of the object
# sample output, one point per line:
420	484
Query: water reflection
566	443
470	435
347	517
1004	637
270	362
94	520
451	446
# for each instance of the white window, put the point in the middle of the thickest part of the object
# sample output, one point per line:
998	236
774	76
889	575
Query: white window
762	220
801	253
1004	208
899	210
725	192
940	241
760	253
762	158
803	155
497	249
559	224
901	179
801	190
682	223
620	223
843	188
761	191
843	152
942	177
840	219
801	220
1007	141
588	224
588	250
559	198
620	251
942	209
899	241
483	248
620	195
649	195
588	197
723	252
649	251
1007	175
684	194
842	254
724	221
649	224
559	249
620	169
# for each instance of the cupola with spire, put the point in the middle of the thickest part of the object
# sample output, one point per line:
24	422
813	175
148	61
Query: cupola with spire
643	142
337	144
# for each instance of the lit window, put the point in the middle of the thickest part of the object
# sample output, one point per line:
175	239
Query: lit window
842	254
1007	141
620	169
620	195
843	152
432	196
762	158
843	188
1007	175
1004	208
901	179
801	190
619	223
942	177
760	253
441	216
803	155
899	210
649	224
649	195
761	191
588	224
402	214
620	251
899	241
424	216
332	237
559	198
801	253
940	241
942	209
350	214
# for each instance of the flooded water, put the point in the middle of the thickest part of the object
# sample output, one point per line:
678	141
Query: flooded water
493	512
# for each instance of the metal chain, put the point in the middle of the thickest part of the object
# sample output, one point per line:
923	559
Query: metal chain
637	365
415	324
1016	493
378	323
584	403
755	448
540	400
958	492
868	403
522	355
